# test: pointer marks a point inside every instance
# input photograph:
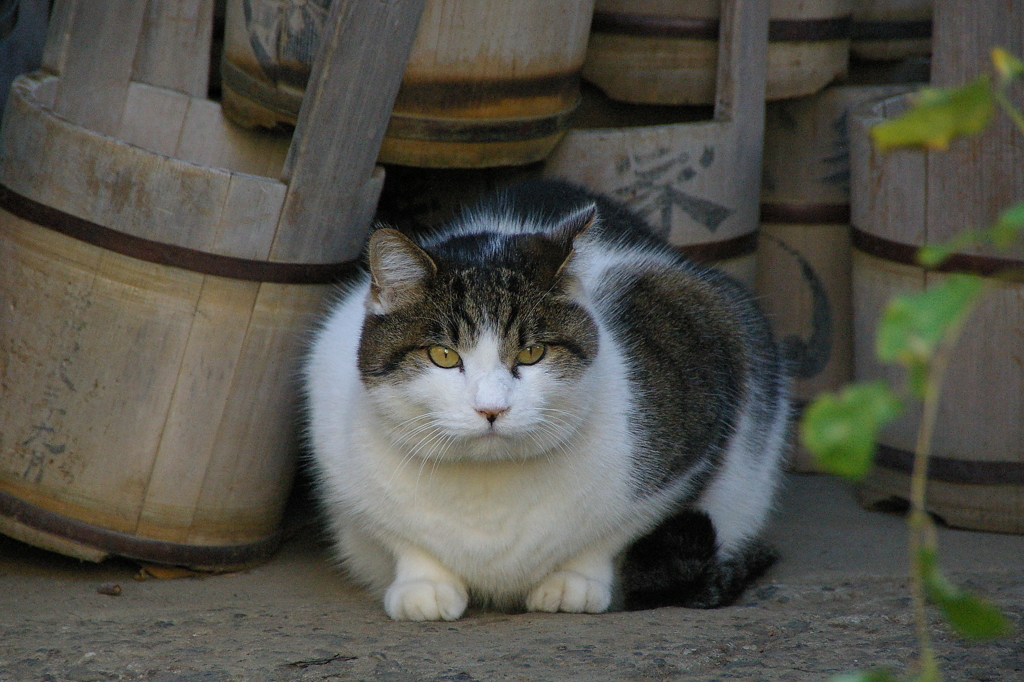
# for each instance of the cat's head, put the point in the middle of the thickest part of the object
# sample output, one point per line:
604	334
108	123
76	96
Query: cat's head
474	348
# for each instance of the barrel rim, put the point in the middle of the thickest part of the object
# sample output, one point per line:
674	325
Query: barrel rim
692	28
951	470
134	547
162	253
261	92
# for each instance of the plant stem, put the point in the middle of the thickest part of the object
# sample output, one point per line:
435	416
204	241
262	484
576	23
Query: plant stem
1010	110
919	524
921	529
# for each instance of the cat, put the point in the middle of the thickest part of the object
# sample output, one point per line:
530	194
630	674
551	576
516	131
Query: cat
542	406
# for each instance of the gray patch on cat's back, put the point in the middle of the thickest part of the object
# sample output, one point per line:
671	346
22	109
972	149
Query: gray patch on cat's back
688	365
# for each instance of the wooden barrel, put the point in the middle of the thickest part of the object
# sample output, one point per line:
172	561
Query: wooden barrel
664	51
487	83
158	278
887	30
902	200
148	388
693	173
803	260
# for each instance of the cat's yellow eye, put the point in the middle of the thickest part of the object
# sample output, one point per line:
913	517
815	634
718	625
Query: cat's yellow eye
531	355
443	357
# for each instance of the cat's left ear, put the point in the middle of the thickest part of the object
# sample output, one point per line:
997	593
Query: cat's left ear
571	227
399	271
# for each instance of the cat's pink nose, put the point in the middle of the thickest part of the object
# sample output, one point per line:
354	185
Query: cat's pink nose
490	414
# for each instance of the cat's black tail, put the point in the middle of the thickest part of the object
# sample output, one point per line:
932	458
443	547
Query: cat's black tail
677	564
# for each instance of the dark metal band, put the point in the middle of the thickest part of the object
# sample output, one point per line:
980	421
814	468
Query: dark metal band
169	254
806	214
122	544
809	30
657	26
949	470
654	26
441	94
715	252
891	30
482	130
906	254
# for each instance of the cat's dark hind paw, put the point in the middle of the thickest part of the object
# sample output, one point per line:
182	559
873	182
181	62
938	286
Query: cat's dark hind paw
677	565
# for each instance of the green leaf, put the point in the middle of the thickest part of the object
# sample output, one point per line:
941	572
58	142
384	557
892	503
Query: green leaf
913	325
841	429
873	675
1007	66
937	116
970	616
1009	226
932	256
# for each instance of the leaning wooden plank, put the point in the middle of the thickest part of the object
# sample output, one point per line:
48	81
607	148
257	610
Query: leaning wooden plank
97	61
341	124
175	49
58	35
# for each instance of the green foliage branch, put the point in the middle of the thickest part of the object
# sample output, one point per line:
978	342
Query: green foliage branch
919	332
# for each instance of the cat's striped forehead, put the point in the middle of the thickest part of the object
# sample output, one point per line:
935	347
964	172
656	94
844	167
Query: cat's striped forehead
499	301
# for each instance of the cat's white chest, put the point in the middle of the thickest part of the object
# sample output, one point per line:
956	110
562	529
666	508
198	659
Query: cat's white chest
500	525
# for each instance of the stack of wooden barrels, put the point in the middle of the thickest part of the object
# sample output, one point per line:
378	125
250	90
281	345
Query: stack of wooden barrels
163	253
492	92
159	268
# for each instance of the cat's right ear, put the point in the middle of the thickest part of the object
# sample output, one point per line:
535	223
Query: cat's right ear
575	224
398	271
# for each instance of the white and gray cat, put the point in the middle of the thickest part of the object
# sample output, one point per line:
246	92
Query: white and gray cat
543	406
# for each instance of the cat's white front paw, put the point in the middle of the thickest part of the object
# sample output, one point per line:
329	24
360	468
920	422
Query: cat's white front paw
571	592
425	600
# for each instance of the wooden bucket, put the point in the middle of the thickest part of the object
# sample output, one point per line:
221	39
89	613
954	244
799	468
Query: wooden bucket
664	51
696	182
902	200
158	278
804	243
887	30
148	389
487	83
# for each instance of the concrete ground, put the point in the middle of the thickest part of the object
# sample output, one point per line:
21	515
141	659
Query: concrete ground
836	602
